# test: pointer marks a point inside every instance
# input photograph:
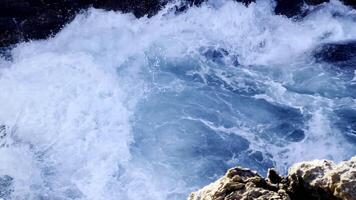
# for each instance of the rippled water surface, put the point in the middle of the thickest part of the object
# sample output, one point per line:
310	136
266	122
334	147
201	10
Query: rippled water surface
115	107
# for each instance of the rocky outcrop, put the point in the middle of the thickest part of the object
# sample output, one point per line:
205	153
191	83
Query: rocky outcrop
240	183
314	180
23	20
325	179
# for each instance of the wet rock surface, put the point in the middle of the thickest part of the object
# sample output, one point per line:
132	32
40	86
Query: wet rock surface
319	179
23	20
342	55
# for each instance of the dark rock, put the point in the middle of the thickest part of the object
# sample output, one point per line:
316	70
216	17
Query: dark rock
293	8
350	3
23	20
315	2
273	176
138	7
19	8
288	8
342	55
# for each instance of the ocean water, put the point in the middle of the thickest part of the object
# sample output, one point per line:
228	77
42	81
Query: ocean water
115	107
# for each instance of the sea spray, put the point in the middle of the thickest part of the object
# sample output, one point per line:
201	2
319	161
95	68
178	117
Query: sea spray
115	107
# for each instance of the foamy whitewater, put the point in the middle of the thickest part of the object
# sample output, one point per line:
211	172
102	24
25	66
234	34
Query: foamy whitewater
115	107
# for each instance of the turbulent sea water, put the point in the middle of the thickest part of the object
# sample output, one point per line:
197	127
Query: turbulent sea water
115	107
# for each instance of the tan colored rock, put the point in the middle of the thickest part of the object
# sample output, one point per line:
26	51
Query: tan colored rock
314	180
240	183
338	180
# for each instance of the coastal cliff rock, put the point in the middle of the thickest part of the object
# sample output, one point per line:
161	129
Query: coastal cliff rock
240	183
319	180
323	178
23	20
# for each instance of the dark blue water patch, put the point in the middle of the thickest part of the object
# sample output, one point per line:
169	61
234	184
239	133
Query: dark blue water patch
197	124
5	53
323	80
221	78
6	187
338	61
262	111
296	135
198	104
346	122
335	91
171	128
255	160
182	114
185	142
289	132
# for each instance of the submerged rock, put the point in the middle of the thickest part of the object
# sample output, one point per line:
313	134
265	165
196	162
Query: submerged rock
319	179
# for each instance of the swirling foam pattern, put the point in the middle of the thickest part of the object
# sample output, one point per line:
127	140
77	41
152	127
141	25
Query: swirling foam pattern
115	107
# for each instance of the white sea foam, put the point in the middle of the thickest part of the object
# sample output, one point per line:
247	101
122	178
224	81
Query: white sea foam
70	102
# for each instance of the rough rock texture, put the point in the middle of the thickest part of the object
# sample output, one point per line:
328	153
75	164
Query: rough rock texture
322	178
240	183
319	180
23	20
